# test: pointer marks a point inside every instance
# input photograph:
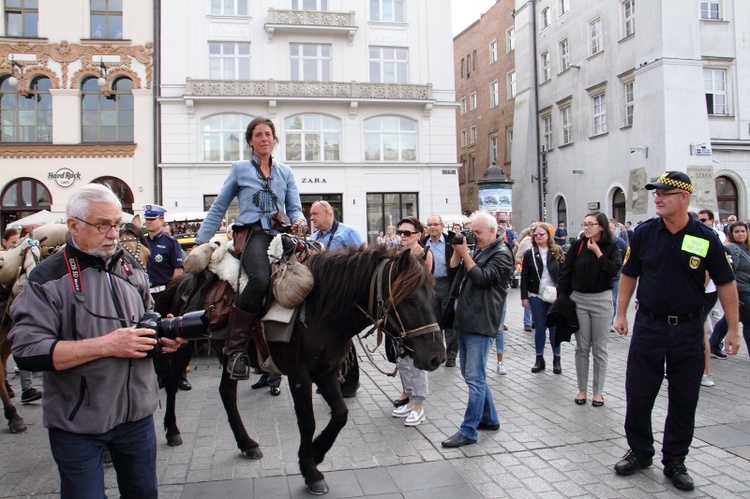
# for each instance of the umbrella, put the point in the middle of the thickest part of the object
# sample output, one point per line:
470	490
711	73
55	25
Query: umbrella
39	218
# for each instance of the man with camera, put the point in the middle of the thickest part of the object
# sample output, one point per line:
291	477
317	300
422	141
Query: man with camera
74	321
478	292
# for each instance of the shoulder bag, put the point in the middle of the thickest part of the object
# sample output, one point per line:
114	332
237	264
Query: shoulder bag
549	293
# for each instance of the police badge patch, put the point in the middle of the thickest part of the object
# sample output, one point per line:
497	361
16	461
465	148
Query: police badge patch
694	262
159	258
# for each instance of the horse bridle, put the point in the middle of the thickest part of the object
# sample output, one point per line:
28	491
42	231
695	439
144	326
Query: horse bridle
135	254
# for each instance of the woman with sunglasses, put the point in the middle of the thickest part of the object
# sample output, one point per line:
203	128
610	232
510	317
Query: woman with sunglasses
586	274
540	267
738	247
414	381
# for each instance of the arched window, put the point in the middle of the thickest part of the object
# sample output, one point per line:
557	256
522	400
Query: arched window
726	197
390	138
562	211
23	197
121	190
26	118
618	205
224	137
107	118
312	137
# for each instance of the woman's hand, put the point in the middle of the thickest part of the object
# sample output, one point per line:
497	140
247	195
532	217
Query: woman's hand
299	226
591	245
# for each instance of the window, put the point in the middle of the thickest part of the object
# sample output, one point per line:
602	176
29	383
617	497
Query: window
564	7
27	196
472	168
387	11
710	11
468	65
473	135
629	102
629	16
494	94
312	137
716	90
26	118
493	51
463	105
547	132
389	65
472	101
595	32
390	138
564	55
21	18
106	19
121	190
464	138
310	62
384	209
544	61
310	5
510	40
224	137
463	67
229	7
512	85
599	103
474	60
727	196
546	19
566	118
508	144
494	147
107	118
228	61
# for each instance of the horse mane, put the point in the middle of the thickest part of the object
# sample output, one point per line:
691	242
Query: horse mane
339	275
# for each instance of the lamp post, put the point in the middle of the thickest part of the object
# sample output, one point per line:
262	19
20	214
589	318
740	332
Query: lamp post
496	193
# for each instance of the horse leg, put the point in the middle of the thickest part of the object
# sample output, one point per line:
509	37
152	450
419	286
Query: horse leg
172	373
330	389
15	422
228	392
301	387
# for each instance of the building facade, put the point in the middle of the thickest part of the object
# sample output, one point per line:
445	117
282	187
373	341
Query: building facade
612	94
76	102
359	92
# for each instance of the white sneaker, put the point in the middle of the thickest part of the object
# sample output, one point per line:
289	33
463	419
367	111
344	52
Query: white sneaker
402	411
708	380
501	368
414	418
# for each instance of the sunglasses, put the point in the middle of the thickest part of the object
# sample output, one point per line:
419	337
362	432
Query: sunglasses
704	220
405	233
540	234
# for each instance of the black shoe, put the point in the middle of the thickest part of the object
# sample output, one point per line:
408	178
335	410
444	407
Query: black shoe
11	393
450	363
556	366
540	365
184	385
30	395
488	426
458	440
632	461
260	384
676	471
275	391
238	367
527	328
399	402
718	354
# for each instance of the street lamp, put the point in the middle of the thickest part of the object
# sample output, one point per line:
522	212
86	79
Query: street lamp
13	81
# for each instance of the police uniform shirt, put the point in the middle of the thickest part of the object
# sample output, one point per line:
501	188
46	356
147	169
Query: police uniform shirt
166	255
672	267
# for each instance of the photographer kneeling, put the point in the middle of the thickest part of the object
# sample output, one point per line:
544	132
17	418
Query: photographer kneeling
478	293
75	320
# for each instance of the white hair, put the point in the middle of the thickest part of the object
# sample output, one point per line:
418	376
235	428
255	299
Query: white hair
79	203
489	221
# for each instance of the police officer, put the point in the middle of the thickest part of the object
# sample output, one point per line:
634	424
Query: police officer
669	252
165	262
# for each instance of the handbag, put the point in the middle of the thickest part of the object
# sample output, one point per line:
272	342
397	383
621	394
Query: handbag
549	293
280	221
291	282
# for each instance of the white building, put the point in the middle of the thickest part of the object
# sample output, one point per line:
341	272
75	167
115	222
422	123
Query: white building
626	91
76	101
361	93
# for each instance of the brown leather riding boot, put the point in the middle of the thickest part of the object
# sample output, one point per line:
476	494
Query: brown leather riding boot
241	325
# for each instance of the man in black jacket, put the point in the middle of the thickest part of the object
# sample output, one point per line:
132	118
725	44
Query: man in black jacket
479	292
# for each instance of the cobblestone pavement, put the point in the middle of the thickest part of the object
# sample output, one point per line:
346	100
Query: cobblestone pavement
546	447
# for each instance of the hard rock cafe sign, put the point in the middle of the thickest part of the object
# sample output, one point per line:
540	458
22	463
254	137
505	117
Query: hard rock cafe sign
64	177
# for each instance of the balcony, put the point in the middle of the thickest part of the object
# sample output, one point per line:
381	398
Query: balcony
307	21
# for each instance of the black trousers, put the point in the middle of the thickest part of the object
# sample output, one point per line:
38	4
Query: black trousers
255	263
682	348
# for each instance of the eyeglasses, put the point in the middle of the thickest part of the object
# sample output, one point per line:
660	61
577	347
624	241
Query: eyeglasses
704	220
589	224
104	228
665	194
540	234
405	233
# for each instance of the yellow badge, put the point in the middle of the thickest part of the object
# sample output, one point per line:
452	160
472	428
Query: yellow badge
627	255
695	245
694	262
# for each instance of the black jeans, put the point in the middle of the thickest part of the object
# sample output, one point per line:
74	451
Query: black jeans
255	263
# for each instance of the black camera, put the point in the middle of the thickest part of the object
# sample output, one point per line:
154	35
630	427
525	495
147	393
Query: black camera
191	326
458	238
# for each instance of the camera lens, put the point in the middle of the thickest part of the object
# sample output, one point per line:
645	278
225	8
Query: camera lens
191	326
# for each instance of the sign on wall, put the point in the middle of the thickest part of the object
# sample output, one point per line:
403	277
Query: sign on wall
637	193
64	177
704	188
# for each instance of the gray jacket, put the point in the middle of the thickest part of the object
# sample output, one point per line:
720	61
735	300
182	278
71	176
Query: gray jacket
481	292
94	397
741	265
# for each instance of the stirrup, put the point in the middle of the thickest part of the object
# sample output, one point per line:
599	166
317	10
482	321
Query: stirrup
232	366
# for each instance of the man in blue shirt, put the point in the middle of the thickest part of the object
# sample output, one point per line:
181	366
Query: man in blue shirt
442	274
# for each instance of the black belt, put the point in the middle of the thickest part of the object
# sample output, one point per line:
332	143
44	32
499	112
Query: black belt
672	320
439	279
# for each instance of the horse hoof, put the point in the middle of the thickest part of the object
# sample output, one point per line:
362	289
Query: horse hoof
318	488
254	453
17	426
174	440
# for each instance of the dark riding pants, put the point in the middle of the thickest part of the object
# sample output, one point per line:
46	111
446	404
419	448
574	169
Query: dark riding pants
255	263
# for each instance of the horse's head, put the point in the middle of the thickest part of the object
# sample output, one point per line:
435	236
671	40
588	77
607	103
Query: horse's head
134	242
407	284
